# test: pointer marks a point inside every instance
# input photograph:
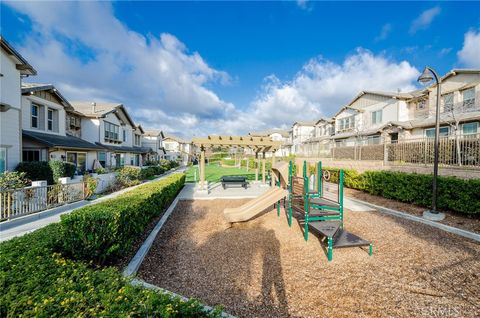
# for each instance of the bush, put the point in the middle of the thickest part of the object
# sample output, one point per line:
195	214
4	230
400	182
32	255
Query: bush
36	170
46	170
100	232
100	171
90	185
37	281
149	172
13	180
129	176
61	169
454	194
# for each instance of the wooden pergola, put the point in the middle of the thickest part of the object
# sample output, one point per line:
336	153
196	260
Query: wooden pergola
257	144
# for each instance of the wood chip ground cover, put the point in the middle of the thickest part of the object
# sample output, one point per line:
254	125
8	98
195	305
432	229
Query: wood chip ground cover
263	268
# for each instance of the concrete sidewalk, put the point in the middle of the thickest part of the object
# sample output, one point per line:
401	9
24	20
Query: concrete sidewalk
29	223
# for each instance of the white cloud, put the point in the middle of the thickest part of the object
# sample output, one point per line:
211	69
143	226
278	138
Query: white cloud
156	73
305	5
321	87
469	55
166	86
384	32
424	20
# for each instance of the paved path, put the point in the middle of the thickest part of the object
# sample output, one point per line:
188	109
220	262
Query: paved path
30	223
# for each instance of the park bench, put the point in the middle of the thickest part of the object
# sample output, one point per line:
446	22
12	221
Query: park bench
234	180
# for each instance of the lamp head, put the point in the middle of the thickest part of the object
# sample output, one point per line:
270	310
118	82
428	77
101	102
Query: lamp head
426	76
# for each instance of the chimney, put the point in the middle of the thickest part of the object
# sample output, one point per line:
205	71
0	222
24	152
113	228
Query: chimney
93	107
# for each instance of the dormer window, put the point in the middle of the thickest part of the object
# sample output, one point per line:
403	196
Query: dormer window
111	132
421	104
136	140
448	102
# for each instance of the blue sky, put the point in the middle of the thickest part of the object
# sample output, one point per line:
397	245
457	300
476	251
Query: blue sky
231	67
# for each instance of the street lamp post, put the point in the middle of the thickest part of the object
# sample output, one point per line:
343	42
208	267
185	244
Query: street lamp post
427	77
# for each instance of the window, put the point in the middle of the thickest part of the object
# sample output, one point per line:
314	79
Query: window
137	160
111	131
470	128
3	159
376	117
136	140
421	104
50	119
347	123
448	102
34	116
430	132
102	158
124	135
31	155
469	98
373	140
79	159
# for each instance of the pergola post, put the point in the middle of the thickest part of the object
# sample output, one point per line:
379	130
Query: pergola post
202	167
271	173
256	165
263	168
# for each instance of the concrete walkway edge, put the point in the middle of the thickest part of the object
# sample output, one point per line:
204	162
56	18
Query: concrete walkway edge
446	228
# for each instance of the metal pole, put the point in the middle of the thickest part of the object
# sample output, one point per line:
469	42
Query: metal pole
202	168
436	146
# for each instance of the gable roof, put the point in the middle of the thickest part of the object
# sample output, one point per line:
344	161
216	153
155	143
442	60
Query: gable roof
348	107
325	119
100	109
36	87
380	93
154	133
460	71
269	132
304	123
175	138
20	63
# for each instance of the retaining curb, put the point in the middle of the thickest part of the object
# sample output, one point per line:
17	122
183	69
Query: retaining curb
134	265
444	227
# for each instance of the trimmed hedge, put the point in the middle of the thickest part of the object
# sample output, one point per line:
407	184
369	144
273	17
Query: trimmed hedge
37	281
46	170
102	231
454	194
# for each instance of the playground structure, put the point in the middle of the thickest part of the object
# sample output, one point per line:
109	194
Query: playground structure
317	208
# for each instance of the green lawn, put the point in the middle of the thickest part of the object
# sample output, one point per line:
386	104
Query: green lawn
213	173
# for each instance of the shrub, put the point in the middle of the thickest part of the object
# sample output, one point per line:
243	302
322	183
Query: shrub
90	185
13	180
100	170
36	170
454	194
37	281
148	172
101	231
61	169
129	176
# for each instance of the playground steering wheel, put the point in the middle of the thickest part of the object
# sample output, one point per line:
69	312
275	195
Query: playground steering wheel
326	175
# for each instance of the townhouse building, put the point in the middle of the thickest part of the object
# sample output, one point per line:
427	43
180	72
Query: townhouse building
177	149
51	129
300	133
153	139
13	67
109	126
275	135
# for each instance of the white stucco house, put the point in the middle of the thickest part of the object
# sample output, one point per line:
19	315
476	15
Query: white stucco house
301	132
177	149
13	67
49	133
275	135
153	139
110	126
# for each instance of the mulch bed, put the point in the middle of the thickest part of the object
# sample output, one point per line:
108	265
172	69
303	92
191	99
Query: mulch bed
263	268
469	223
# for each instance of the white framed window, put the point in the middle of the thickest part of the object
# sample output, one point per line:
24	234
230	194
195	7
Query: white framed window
124	135
34	121
111	131
377	117
470	128
469	98
102	158
373	140
447	102
50	119
136	140
3	159
443	132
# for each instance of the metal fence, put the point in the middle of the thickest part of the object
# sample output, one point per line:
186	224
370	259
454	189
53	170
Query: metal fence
19	202
463	150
